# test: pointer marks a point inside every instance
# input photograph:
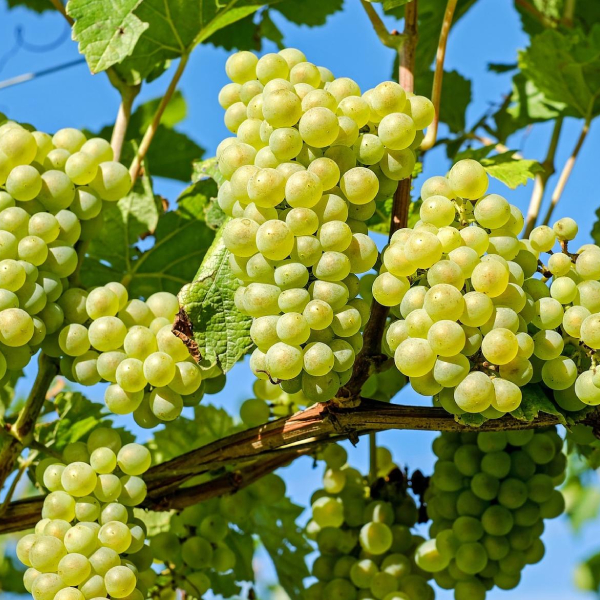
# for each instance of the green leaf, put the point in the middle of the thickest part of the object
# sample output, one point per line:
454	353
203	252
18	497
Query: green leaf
285	542
566	68
174	113
207	168
308	12
220	330
471	420
38	6
155	521
175	28
502	67
112	254
183	435
241	35
269	30
533	403
389	5
107	32
243	548
77	417
527	106
203	193
455	99
11	575
587	574
510	170
584	502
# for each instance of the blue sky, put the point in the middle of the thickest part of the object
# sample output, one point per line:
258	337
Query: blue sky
490	32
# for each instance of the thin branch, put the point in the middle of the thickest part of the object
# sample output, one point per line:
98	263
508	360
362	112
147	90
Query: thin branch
438	76
569	13
287	435
60	7
537	14
391	40
541	179
22	431
407	52
119	132
566	171
25	464
134	170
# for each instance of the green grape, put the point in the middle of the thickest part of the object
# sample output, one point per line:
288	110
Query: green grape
386	98
74	569
490	278
446	338
85	368
107	364
24	183
451	370
46	586
12	275
16	327
475	392
414	357
108	488
103	460
559	373
45	553
120	582
120	401
73	339
130	375
115	536
375	538
548	344
78	479
444	302
468	179
500	346
134	459
165	403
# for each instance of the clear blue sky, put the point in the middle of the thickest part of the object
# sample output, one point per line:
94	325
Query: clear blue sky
490	32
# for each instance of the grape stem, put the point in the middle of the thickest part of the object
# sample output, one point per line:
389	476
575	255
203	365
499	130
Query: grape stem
263	449
128	95
21	433
135	168
390	40
567	169
541	179
438	76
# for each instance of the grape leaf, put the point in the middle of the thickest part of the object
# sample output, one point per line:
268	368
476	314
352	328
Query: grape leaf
269	30
11	574
77	417
241	35
155	521
533	403
308	12
38	6
584	502
220	330
456	96
112	253
107	32
566	68
471	419
510	170
587	574
183	435
175	28
207	168
285	542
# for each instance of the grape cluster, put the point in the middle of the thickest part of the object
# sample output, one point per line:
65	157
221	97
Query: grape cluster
488	498
52	189
199	543
363	534
88	544
129	343
310	158
475	315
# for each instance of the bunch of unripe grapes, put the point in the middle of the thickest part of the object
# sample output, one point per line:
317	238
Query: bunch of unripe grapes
476	313
366	547
129	343
199	543
310	158
88	544
52	189
488	498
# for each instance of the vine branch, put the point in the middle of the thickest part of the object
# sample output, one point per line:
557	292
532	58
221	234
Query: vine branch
134	170
21	432
541	179
438	76
128	94
567	170
281	442
388	39
60	7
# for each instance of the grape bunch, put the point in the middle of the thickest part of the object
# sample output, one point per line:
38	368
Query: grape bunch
199	545
366	547
476	313
310	158
129	343
488	498
52	189
88	544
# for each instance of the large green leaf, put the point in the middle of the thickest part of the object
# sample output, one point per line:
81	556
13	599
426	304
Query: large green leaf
565	67
39	6
534	402
107	32
221	331
175	27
